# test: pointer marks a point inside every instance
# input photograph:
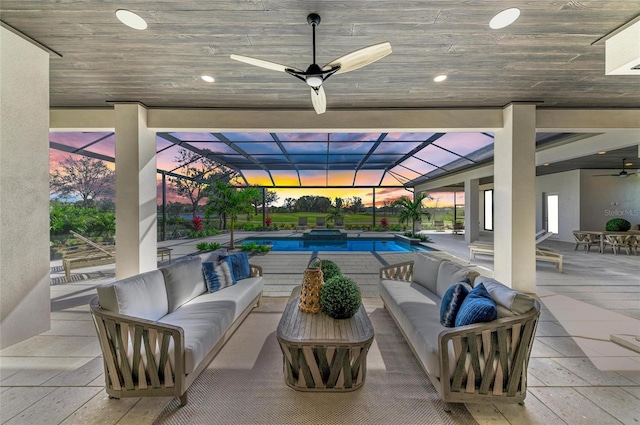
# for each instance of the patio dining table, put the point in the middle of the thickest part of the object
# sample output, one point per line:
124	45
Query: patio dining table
603	236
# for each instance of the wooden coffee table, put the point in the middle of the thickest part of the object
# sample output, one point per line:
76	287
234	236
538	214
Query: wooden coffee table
321	353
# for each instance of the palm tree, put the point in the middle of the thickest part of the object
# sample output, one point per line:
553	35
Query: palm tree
412	210
231	201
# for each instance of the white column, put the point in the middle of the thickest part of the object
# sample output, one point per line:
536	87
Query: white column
515	203
471	209
25	304
136	216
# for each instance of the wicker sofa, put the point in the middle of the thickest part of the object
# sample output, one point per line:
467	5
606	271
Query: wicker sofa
480	362
159	330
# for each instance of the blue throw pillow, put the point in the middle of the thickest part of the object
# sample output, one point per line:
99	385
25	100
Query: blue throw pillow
216	275
452	301
477	307
239	266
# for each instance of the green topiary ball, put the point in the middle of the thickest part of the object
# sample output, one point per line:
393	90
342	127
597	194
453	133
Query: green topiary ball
330	269
340	297
617	225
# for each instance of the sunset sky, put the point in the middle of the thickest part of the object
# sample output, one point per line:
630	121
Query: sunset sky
312	153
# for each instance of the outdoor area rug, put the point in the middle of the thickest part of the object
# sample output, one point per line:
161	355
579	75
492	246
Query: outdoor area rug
245	385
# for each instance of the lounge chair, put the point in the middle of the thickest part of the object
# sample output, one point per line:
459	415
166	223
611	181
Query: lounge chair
302	223
90	254
321	223
338	222
458	227
439	225
542	253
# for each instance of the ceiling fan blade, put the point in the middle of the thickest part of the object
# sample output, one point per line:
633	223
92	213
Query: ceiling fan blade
319	100
360	58
262	64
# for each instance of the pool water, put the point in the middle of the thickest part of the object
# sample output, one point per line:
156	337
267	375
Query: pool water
351	245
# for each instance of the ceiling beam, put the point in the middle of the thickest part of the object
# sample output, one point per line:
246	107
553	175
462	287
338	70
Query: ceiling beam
389	120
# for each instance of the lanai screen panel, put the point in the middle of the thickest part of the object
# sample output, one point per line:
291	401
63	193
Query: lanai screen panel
305	159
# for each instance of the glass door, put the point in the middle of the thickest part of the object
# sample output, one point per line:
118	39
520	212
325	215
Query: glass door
488	209
551	212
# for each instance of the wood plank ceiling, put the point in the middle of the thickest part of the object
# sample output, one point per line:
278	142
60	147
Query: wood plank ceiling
551	55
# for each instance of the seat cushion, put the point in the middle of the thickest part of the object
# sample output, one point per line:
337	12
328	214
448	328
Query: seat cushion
206	318
417	312
142	296
425	270
450	273
184	281
509	301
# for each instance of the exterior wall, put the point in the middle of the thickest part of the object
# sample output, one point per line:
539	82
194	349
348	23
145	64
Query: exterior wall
604	198
24	190
567	186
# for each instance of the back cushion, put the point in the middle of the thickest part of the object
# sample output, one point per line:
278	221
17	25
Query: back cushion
510	302
450	273
425	271
143	296
184	281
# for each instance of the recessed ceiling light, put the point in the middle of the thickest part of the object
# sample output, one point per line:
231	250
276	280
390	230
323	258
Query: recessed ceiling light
602	152
628	164
504	18
546	164
131	19
440	78
208	78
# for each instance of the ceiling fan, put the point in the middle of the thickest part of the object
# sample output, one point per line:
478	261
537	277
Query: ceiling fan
622	173
315	75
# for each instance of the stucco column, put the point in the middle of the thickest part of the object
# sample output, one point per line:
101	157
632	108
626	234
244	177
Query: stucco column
25	298
471	209
515	203
136	211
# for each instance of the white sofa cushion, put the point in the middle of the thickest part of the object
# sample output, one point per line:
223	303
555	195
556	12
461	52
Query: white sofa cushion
207	317
143	296
417	311
184	281
450	273
509	301
425	270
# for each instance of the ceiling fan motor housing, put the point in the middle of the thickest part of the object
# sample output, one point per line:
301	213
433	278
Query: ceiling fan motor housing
313	19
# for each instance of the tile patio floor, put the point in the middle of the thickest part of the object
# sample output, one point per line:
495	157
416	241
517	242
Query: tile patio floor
576	374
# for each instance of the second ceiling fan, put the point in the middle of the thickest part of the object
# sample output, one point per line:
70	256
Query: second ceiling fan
315	75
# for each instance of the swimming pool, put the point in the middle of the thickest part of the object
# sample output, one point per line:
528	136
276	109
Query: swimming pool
351	244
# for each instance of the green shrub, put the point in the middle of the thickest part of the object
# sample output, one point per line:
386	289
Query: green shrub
208	246
254	247
329	269
340	297
617	225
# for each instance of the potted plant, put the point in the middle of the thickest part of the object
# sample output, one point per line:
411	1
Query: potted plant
617	225
340	297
